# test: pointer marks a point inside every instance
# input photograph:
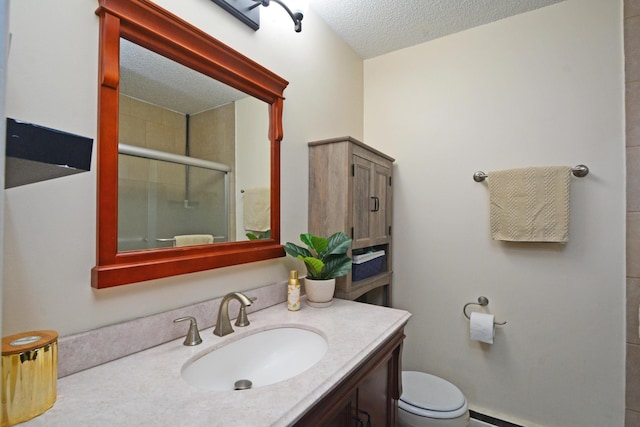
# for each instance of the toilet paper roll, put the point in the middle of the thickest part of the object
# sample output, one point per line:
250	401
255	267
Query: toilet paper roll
482	327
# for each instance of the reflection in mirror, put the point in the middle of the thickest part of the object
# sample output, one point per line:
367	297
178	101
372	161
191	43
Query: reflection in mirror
186	143
169	199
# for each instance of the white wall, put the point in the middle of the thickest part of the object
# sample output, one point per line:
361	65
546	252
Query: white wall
4	51
542	88
50	226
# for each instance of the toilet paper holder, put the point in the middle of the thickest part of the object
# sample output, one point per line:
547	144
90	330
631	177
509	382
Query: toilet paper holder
482	301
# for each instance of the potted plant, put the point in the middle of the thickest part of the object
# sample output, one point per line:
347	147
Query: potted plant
325	259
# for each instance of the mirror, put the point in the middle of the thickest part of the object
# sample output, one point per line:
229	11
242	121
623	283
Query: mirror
169	198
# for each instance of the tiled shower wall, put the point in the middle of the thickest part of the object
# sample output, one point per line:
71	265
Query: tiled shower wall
632	83
212	137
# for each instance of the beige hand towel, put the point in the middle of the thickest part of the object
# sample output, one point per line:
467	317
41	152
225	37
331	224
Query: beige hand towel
257	209
193	239
530	204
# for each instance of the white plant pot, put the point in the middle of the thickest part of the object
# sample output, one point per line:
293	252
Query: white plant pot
319	292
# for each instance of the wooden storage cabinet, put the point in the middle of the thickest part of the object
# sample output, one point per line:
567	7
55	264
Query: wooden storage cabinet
350	190
371	200
366	397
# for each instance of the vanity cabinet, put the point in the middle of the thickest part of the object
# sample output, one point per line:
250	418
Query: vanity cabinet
366	397
350	190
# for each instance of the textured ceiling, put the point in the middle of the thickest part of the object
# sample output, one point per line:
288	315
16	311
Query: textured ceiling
370	27
376	27
147	76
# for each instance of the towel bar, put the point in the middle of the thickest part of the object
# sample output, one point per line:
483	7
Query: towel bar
579	171
482	301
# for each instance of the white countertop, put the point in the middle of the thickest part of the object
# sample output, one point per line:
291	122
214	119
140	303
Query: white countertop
146	388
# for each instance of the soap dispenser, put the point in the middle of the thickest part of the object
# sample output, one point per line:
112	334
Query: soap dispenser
293	291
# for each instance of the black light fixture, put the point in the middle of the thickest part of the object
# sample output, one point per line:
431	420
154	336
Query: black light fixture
248	11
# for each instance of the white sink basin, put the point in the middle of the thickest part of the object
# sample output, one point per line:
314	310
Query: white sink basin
263	358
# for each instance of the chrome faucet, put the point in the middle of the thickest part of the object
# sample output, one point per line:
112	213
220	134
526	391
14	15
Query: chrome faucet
223	325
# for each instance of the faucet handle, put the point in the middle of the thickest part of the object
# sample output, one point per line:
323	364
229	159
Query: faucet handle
242	319
193	336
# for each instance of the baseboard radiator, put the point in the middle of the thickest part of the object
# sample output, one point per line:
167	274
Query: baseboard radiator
491	420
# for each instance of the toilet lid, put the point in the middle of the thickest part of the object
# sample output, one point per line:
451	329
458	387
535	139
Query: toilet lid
426	391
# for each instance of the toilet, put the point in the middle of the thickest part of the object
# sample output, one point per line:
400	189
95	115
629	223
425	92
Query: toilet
430	401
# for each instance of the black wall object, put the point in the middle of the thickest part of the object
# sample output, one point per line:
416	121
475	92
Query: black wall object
36	153
491	420
246	11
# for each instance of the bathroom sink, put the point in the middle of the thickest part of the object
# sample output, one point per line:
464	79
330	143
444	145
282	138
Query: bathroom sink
263	358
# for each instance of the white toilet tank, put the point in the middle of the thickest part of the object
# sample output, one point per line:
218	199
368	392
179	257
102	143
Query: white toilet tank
430	401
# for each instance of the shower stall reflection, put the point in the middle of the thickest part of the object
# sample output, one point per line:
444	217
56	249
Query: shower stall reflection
162	196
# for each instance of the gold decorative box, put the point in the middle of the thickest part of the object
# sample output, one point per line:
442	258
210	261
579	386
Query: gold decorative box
29	375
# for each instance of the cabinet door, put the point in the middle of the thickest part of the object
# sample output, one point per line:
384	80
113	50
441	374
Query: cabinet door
344	417
375	399
333	411
371	203
381	213
363	202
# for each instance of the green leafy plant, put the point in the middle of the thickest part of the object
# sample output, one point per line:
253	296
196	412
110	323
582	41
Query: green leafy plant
324	258
265	235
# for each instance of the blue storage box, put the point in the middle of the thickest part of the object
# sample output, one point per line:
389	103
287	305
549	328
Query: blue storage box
367	265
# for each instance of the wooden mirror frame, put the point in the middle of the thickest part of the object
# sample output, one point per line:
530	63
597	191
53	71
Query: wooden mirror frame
150	26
